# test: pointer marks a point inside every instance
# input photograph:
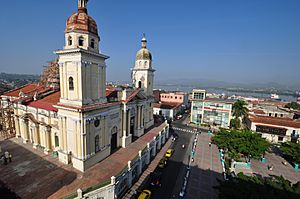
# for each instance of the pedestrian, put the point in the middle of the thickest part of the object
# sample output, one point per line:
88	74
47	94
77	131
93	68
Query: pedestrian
6	156
209	144
10	157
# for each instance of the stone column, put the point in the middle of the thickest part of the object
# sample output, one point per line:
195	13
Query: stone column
128	122
148	153
159	141
25	131
154	149
138	117
17	123
124	121
129	174
140	163
36	136
47	140
64	130
142	117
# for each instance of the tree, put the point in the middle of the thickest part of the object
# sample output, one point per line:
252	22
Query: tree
291	151
243	142
293	105
240	109
235	123
256	187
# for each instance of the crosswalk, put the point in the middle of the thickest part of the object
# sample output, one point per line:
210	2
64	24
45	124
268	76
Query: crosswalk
184	130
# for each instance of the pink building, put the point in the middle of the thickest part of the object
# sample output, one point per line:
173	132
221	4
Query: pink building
175	97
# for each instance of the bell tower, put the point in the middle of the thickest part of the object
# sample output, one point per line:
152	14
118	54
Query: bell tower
143	73
82	67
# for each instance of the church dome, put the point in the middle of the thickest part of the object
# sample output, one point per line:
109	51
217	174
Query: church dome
144	53
81	21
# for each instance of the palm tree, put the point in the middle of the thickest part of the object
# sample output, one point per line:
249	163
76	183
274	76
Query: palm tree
240	109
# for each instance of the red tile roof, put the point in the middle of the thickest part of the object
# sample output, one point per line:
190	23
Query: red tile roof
167	105
27	89
276	121
47	102
258	111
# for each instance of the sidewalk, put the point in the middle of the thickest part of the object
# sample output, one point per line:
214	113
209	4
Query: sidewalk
151	168
205	170
32	174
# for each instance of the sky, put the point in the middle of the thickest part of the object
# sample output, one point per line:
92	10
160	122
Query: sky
240	41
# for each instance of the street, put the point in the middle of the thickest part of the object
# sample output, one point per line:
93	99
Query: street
173	174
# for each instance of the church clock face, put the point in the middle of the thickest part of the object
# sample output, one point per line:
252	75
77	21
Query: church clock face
97	122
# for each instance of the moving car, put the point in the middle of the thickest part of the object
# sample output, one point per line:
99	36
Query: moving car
146	194
155	178
163	162
169	153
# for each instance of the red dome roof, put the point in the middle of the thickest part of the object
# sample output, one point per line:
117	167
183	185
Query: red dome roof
81	22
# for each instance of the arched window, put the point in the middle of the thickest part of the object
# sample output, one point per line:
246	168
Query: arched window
70	41
92	43
145	63
81	41
140	84
71	84
97	146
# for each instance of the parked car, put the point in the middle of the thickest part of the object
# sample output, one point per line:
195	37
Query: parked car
155	178
169	153
163	163
146	194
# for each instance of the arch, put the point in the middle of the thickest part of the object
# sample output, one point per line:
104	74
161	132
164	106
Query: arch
140	84
114	139
92	43
140	63
71	84
70	41
81	41
97	146
145	63
114	130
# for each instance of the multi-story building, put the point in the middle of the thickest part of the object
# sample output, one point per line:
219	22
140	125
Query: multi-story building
84	121
275	129
211	111
175	97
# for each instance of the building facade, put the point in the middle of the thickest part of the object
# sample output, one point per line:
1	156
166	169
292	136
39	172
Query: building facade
275	129
175	97
210	111
84	121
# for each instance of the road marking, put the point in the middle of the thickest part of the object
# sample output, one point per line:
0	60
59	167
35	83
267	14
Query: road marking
184	130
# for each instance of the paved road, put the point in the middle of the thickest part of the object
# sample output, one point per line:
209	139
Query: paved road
172	178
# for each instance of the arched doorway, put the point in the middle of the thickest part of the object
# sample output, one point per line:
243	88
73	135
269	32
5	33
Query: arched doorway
114	139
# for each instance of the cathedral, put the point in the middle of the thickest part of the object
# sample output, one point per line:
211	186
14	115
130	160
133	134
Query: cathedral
84	120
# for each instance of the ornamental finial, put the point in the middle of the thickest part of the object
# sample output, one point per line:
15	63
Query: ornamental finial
82	5
144	41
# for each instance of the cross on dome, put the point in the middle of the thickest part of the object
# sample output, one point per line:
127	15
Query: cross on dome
82	5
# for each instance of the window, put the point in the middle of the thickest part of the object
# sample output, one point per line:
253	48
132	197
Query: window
270	114
140	84
97	122
70	41
56	141
281	115
280	138
80	42
199	96
97	146
175	97
275	114
92	43
71	84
